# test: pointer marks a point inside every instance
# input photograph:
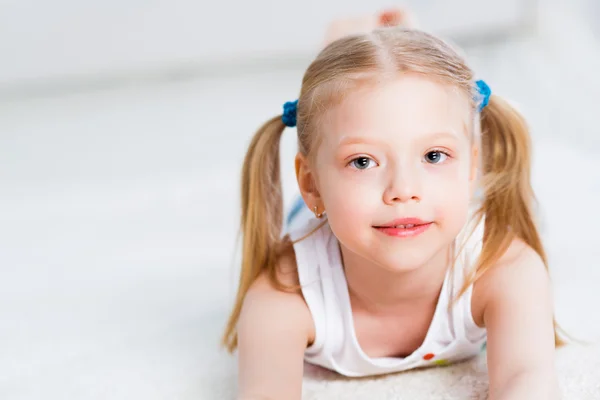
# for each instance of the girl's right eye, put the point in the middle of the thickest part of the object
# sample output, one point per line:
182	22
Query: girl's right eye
362	163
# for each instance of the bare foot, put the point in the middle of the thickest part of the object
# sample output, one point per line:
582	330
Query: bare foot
366	23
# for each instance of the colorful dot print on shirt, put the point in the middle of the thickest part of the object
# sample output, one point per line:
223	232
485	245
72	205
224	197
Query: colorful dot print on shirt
431	356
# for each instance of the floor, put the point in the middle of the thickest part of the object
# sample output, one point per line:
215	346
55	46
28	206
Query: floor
118	215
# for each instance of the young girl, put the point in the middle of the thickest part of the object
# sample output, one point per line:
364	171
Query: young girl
417	245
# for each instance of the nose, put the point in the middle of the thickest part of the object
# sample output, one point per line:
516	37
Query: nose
404	185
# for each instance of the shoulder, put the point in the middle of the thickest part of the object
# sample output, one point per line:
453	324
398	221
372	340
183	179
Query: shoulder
286	281
273	332
518	276
277	304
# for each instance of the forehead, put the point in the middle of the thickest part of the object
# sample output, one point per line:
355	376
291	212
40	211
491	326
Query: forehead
407	106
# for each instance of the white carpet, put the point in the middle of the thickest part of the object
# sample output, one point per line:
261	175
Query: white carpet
464	381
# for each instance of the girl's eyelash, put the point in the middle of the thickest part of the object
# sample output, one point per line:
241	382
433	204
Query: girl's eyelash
357	158
353	159
445	152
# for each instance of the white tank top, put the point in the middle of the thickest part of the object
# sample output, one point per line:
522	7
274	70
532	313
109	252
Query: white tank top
452	335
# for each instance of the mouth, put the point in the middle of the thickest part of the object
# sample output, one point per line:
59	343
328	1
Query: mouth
405	227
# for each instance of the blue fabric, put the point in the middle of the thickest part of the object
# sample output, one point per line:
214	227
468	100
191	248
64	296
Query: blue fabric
289	113
295	210
485	92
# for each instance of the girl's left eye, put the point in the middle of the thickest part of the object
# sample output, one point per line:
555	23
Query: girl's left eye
362	163
435	157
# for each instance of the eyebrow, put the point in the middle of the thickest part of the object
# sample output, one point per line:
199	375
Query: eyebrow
350	140
442	135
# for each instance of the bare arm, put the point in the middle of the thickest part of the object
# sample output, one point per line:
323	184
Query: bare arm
273	332
517	310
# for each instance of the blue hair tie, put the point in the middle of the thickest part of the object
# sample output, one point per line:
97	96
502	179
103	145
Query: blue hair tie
289	113
484	94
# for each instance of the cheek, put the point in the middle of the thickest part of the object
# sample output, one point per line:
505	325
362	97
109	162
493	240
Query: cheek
350	200
347	195
452	195
453	210
455	174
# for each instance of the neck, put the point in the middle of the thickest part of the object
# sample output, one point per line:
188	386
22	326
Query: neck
376	289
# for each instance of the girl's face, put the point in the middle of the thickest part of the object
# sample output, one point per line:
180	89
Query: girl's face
394	171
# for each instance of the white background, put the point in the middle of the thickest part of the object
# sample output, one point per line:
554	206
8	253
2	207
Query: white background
62	39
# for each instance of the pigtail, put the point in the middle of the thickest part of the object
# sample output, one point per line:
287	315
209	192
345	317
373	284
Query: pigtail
261	215
509	199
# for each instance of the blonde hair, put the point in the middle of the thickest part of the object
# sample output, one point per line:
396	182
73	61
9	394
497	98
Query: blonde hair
343	66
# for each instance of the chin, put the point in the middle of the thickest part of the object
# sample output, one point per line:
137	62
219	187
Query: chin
404	261
408	254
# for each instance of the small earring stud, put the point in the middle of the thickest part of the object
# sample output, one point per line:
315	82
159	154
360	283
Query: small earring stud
317	213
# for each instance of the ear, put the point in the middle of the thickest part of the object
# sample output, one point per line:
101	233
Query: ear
307	183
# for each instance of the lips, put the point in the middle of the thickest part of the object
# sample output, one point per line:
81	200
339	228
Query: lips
404	227
403	223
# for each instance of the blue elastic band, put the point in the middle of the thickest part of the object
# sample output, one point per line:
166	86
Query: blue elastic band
289	113
484	92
